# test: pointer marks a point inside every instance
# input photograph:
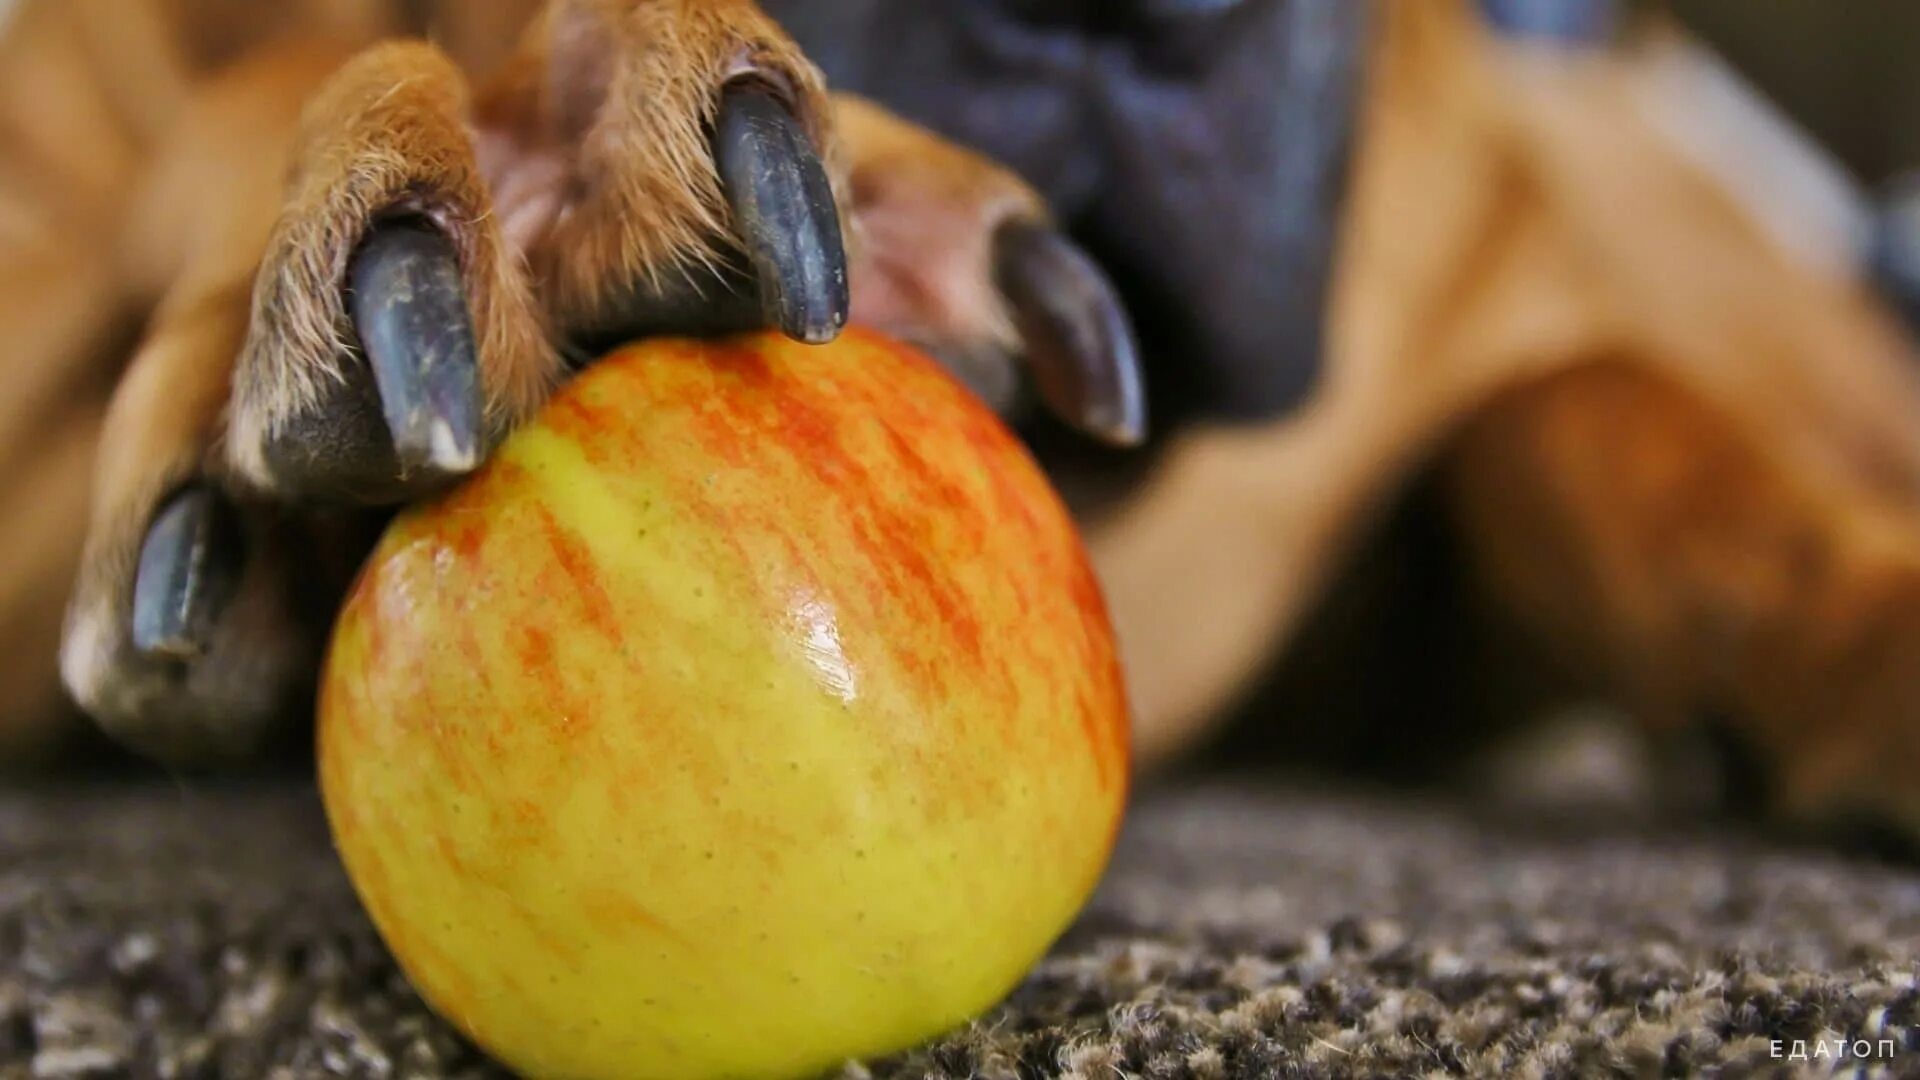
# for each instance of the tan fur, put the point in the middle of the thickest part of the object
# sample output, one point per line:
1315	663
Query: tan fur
1685	457
924	215
208	168
70	149
1720	516
1667	550
215	193
619	96
47	505
62	300
926	212
386	134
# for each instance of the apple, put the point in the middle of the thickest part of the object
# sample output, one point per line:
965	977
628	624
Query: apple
753	708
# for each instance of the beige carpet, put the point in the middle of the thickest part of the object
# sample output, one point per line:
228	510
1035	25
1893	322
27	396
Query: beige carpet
1247	930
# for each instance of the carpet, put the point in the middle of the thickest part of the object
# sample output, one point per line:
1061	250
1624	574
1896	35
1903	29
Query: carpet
1248	929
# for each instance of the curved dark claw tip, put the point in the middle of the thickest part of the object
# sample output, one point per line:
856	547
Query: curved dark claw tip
784	213
1079	342
188	571
409	307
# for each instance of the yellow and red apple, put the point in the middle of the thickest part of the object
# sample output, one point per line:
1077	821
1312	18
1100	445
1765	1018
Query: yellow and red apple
753	708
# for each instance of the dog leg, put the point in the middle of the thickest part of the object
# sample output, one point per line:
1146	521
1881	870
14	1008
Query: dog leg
83	87
47	506
183	636
362	334
662	165
1676	557
60	308
357	334
393	334
179	640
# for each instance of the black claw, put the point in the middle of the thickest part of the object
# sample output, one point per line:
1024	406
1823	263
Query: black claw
784	213
409	307
1079	343
189	568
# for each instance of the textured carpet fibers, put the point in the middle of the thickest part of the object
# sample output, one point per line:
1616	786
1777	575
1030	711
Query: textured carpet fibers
1246	930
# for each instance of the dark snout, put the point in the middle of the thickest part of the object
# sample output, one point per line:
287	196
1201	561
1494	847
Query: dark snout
1198	149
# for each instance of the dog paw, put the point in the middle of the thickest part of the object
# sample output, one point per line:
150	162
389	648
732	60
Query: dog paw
383	270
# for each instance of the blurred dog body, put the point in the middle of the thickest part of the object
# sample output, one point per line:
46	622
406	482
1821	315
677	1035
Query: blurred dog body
1671	443
1678	449
1674	433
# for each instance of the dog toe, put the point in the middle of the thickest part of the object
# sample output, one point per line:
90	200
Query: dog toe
394	336
784	212
405	415
188	567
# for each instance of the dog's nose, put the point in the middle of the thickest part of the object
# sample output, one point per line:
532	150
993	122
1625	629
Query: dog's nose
1567	22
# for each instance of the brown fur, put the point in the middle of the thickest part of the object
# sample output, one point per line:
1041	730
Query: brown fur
214	194
209	170
1686	458
1661	546
386	134
48	505
619	95
1683	455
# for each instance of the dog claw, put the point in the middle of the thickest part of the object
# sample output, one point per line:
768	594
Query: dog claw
1079	343
409	306
784	212
189	567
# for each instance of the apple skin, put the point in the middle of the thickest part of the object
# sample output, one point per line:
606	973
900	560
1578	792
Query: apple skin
754	708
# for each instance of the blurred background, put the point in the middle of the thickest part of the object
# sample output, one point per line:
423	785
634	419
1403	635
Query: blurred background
1843	73
1408	631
